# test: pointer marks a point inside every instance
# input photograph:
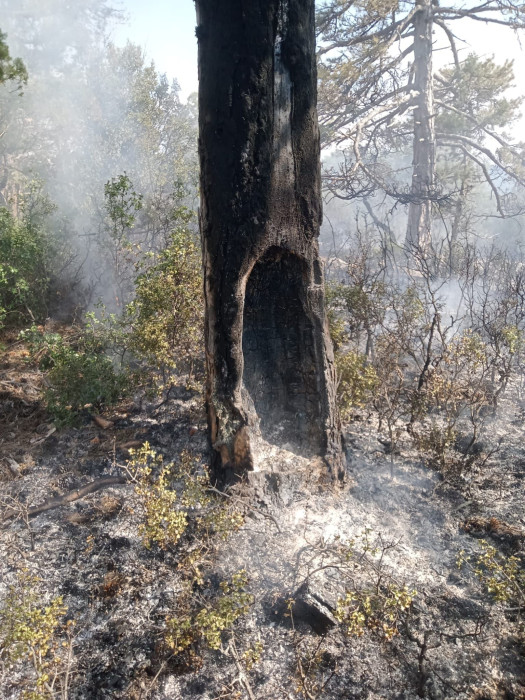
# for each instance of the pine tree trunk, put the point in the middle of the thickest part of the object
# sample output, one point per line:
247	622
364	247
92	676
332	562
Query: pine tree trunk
419	228
269	357
457	221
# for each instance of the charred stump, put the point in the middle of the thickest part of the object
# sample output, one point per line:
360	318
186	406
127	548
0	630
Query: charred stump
270	370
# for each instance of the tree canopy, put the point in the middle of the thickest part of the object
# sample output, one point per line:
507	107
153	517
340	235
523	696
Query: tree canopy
380	95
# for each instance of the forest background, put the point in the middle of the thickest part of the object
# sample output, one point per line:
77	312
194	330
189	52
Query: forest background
100	269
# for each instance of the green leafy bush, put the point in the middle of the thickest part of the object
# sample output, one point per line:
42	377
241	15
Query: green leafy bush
173	496
162	522
79	373
81	379
356	381
211	620
379	610
24	271
502	576
122	203
32	638
158	283
166	314
39	272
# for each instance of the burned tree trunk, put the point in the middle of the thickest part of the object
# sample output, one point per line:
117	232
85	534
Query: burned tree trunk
269	358
419	229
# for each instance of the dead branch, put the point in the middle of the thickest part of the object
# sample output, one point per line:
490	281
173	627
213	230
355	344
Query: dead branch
242	674
451	39
70	496
485	171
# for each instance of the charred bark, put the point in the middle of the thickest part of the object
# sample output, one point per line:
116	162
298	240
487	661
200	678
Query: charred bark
419	228
269	358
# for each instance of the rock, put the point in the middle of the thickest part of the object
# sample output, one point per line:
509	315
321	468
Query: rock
313	606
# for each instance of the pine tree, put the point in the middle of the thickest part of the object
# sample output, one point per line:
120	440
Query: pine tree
378	89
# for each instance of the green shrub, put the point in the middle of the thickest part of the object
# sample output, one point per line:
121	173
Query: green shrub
166	314
162	522
38	270
24	271
502	576
379	610
210	621
160	324
81	379
79	373
173	496
32	638
356	381
174	499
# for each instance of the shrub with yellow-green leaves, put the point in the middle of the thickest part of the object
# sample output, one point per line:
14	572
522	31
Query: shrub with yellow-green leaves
174	499
502	576
163	520
208	623
357	380
252	655
378	602
168	493
167	313
34	639
373	599
379	610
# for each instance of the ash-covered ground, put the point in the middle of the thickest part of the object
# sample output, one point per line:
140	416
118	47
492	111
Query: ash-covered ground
397	526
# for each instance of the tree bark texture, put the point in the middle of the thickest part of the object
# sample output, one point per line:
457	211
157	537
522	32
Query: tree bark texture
269	357
419	229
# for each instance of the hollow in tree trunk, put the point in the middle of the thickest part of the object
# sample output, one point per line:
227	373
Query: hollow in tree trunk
270	369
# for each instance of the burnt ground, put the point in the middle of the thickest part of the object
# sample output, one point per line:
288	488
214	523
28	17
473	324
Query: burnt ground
405	527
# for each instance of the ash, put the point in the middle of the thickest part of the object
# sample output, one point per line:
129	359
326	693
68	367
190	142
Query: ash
397	523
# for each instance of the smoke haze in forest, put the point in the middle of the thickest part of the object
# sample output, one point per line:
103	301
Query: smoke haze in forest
92	112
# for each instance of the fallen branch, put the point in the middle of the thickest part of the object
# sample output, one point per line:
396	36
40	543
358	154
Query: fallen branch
242	675
102	422
13	465
71	496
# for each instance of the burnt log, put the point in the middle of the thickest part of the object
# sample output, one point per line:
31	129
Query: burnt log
270	368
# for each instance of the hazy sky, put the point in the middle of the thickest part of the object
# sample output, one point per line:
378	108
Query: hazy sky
166	30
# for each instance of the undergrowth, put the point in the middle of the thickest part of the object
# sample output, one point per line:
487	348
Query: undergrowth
502	575
206	623
35	640
79	376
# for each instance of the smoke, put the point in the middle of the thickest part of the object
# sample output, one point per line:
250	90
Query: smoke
90	113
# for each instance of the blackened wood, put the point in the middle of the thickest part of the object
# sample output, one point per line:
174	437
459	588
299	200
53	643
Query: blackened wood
269	358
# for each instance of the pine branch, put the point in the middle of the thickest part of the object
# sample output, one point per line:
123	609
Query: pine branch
486	173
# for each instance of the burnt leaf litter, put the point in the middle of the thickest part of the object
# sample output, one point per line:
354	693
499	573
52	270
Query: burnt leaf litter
369	591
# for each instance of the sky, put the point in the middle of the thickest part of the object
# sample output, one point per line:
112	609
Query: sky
165	29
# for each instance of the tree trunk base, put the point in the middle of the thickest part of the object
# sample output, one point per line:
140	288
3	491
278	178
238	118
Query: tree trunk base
270	366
